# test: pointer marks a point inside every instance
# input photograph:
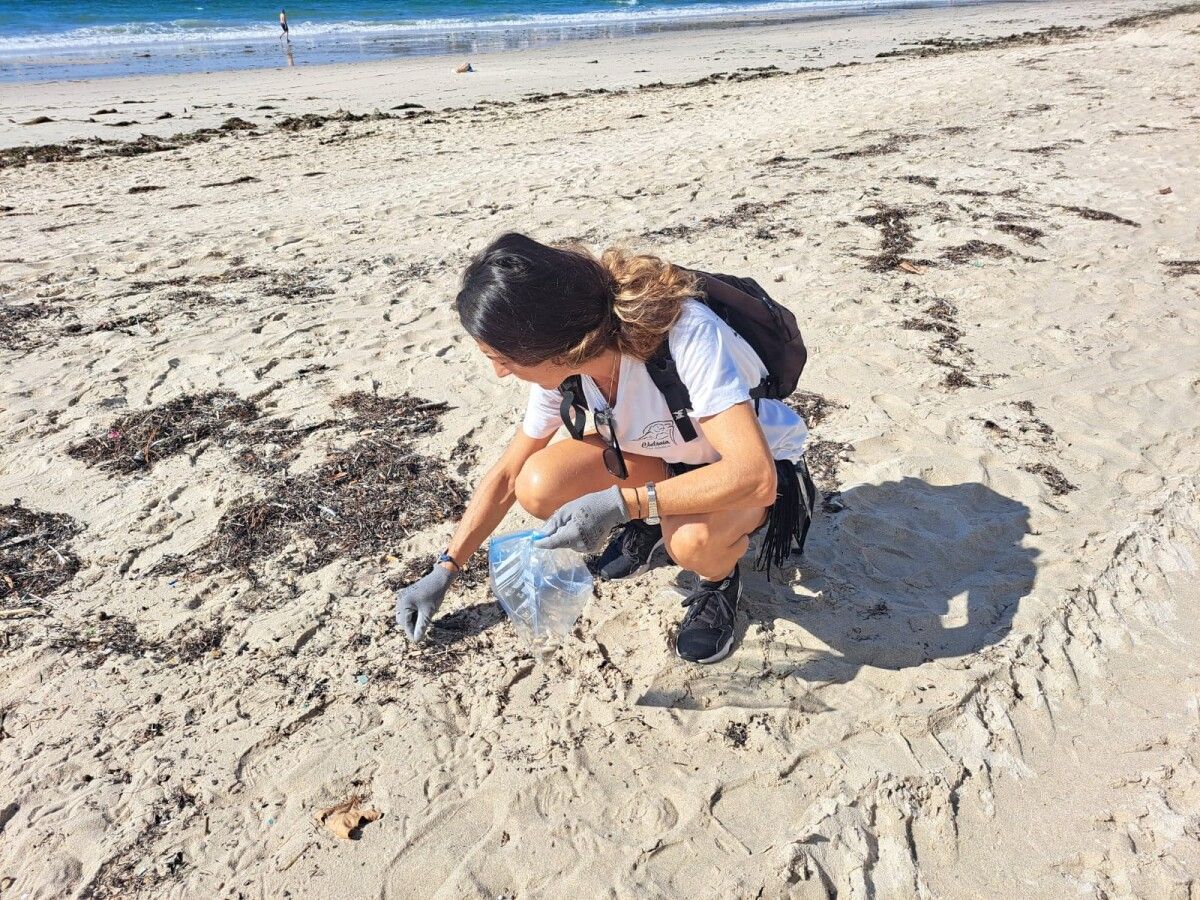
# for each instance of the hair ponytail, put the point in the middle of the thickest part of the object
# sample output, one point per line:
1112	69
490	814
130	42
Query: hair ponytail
535	303
648	295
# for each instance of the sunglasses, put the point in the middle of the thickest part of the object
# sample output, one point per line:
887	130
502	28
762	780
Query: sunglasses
574	415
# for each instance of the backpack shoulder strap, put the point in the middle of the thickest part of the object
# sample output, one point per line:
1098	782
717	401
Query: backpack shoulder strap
661	368
574	408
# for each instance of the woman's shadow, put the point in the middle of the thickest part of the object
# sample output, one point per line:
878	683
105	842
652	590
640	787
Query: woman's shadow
906	572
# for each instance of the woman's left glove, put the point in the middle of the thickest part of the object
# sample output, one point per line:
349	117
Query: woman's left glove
416	604
584	524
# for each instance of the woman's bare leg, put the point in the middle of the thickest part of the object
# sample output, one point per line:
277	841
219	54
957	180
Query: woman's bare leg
710	544
567	470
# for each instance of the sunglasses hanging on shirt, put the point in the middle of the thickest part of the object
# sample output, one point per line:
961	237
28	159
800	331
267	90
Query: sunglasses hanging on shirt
574	416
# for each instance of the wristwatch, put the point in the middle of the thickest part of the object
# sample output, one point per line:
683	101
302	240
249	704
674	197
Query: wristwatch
652	517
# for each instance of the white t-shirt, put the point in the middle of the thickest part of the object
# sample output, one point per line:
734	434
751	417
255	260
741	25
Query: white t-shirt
719	369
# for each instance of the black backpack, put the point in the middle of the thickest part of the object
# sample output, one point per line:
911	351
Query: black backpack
770	329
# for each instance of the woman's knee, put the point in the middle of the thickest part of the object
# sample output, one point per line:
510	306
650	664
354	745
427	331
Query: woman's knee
691	545
536	490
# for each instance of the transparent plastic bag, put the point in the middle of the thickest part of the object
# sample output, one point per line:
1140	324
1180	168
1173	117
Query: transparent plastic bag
543	591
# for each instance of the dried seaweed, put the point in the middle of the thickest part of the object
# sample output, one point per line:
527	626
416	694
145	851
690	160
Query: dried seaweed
1055	480
736	733
941	46
17	321
1026	234
361	502
813	407
1177	268
1099	215
35	553
974	249
892	144
101	637
137	441
99	148
474	573
824	459
896	237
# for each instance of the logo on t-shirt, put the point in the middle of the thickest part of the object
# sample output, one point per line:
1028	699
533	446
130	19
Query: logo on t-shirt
657	434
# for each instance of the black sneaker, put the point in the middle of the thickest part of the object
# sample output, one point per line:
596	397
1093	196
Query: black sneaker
630	551
706	632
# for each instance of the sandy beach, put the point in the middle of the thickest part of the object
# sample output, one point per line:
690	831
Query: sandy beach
236	410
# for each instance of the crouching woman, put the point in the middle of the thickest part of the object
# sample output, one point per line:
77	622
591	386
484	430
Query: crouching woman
643	487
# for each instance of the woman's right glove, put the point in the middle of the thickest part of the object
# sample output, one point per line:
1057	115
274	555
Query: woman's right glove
416	604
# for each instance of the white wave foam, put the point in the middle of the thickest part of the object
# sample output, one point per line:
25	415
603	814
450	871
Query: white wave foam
185	32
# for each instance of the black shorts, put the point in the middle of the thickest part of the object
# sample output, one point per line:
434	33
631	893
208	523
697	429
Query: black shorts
788	518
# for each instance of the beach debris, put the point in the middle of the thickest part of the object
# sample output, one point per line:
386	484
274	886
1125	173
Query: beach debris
812	406
361	502
1177	268
241	179
1026	234
464	68
135	442
102	636
1164	191
35	554
17	321
824	458
1098	215
893	143
911	268
1054	479
974	249
737	734
345	820
896	238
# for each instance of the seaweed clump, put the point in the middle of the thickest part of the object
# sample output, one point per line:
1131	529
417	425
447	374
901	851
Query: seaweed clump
137	441
17	321
896	238
361	501
35	553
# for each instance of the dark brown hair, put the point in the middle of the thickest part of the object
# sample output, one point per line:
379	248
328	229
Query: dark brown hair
534	303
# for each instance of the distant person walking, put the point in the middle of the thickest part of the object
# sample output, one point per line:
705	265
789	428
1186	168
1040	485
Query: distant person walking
283	34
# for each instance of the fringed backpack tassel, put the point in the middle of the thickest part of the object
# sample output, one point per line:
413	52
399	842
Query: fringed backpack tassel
789	517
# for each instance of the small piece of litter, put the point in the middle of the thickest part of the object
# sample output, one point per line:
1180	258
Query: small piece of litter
345	819
362	679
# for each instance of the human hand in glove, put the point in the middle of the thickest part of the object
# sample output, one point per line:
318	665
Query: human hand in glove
416	604
584	524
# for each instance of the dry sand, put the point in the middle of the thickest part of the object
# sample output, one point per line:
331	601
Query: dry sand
980	682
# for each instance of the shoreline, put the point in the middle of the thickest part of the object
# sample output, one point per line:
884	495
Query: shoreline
163	105
315	44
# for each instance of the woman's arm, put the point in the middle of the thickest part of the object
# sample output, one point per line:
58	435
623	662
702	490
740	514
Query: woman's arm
493	498
744	476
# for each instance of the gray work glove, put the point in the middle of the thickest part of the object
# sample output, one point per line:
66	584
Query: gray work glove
584	524
416	604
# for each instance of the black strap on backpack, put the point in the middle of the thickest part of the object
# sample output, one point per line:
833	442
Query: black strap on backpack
661	369
770	329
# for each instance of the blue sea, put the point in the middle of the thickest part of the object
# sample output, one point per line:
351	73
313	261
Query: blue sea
42	39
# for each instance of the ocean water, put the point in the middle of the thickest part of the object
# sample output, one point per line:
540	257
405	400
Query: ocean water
42	39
